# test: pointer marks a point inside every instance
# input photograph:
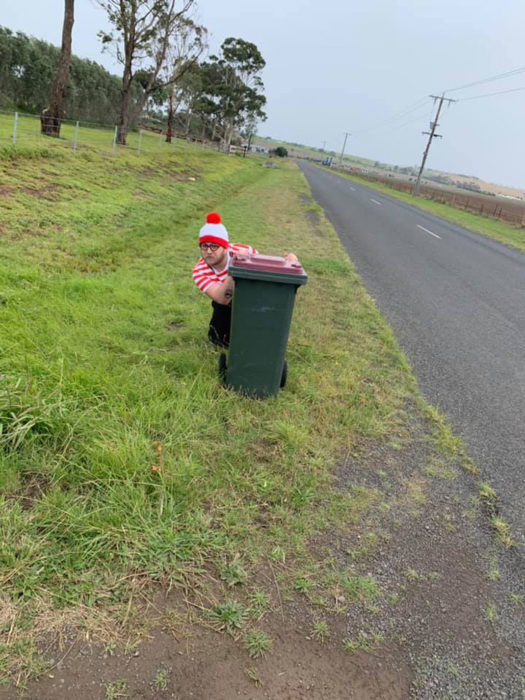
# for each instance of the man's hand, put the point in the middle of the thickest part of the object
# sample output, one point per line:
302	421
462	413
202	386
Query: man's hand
228	289
291	257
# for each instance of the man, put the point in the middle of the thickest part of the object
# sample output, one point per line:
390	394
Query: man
210	274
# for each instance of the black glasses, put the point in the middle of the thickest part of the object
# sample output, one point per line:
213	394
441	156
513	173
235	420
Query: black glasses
210	246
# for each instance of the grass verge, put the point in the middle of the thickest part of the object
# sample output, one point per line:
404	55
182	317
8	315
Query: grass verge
123	462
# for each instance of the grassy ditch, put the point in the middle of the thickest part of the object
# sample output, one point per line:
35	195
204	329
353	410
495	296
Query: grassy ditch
122	459
497	230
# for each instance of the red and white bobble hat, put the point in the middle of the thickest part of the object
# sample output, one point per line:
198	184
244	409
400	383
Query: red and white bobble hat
214	231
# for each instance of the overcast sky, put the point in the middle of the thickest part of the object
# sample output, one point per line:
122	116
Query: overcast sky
338	65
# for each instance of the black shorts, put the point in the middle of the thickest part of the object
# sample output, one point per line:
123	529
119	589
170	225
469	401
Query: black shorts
219	331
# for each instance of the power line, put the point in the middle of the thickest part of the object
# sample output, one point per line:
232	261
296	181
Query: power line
397	115
500	76
490	94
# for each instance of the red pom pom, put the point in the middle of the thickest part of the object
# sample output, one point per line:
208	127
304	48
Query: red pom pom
213	218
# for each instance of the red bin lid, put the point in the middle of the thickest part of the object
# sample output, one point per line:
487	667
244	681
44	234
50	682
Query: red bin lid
267	263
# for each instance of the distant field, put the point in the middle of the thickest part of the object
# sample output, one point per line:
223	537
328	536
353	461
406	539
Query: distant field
503	209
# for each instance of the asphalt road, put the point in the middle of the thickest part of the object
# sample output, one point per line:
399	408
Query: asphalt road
456	302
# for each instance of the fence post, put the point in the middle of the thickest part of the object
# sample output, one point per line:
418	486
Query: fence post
75	137
15	127
114	140
140	142
160	141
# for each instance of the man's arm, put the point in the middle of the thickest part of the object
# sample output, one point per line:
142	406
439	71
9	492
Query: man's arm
221	293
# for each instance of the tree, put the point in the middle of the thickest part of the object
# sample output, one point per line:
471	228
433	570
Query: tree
234	84
280	151
52	115
184	50
142	31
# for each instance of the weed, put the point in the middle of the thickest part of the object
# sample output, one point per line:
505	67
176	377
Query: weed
412	575
320	630
364	642
490	613
259	603
161	680
516	598
434	576
234	573
502	530
253	676
493	573
116	689
277	555
257	643
302	585
362	588
486	492
230	616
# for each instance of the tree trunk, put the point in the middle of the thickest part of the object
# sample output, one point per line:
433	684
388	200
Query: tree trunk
188	122
228	133
169	121
52	115
122	126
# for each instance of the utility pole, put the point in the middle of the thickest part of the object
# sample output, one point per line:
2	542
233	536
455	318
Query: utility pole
324	146
347	134
431	135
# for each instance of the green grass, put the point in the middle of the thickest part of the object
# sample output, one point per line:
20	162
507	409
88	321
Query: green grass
122	458
491	228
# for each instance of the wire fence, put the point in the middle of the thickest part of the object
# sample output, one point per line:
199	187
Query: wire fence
20	129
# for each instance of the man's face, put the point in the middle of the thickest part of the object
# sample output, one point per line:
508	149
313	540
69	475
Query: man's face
213	254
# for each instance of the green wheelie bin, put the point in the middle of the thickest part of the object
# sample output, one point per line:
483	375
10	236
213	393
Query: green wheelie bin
262	307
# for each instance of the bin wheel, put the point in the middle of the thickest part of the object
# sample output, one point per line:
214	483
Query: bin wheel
284	375
222	367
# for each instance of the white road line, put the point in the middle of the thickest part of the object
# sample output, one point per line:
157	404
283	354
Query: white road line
427	231
352	188
375	201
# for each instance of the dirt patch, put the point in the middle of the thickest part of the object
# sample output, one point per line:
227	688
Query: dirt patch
209	665
313	217
49	192
33	487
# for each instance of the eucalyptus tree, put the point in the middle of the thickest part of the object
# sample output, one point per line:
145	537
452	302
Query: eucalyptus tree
140	38
186	46
51	117
235	85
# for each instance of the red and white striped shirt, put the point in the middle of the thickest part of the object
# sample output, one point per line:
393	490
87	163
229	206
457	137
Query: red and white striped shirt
204	275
